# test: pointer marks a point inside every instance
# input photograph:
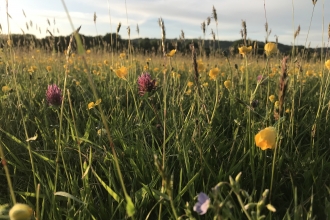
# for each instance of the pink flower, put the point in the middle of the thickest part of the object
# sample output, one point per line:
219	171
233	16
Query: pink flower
54	95
146	84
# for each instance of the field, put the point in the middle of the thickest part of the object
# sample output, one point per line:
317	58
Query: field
95	132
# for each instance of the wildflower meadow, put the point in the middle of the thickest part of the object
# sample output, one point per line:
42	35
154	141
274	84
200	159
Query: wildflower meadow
188	130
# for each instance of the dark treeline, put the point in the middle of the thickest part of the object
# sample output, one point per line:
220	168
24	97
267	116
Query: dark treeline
114	43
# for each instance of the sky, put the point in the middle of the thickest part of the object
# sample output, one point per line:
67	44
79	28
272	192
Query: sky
283	17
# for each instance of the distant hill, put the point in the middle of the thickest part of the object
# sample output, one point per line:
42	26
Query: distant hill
142	45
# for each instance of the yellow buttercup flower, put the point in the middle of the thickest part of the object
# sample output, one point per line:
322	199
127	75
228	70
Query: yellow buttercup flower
244	50
32	69
200	66
121	72
227	84
20	212
205	84
266	138
6	89
190	84
188	92
214	73
101	132
171	53
277	104
92	104
327	64
122	55
272	98
270	48
309	73
88	51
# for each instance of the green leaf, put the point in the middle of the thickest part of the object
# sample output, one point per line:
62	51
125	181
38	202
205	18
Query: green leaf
130	209
107	188
68	195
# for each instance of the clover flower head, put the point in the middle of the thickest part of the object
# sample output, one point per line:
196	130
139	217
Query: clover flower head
203	204
146	84
54	95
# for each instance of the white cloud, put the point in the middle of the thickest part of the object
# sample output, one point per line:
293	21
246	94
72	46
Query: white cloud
186	15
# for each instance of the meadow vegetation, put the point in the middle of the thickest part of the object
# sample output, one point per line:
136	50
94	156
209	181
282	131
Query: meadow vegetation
106	133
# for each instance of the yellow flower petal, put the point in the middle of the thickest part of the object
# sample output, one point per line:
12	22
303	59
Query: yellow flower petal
214	73
98	101
48	68
122	55
91	105
270	48
171	53
244	50
272	98
206	84
200	66
227	84
6	89
188	92
327	64
266	138
121	72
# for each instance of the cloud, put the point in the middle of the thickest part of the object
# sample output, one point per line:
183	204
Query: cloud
283	18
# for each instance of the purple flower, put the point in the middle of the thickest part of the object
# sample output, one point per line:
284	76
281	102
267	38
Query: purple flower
145	83
203	204
54	95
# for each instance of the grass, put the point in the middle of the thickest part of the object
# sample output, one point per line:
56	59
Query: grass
148	157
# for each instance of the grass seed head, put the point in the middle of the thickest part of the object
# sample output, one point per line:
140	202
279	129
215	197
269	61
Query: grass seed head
203	26
297	32
118	27
208	21
214	14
